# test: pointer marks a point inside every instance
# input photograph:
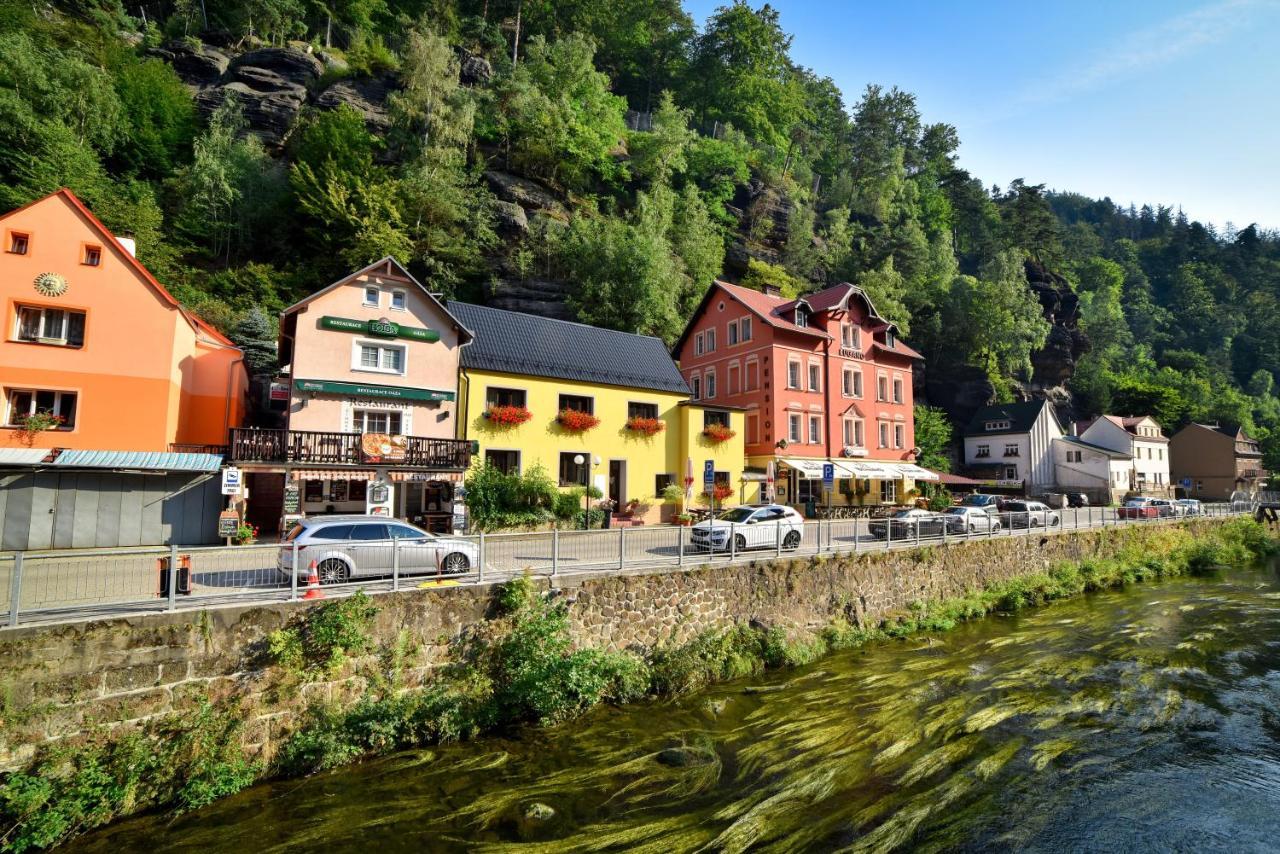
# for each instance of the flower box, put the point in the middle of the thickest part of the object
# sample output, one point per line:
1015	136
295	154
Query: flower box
720	493
507	416
575	421
646	426
717	433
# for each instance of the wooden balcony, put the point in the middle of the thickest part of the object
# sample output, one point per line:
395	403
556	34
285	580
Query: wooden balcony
313	447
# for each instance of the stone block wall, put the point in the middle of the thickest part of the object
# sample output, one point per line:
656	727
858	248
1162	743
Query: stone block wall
61	681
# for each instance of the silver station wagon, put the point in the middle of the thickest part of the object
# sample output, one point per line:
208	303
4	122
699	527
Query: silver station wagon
347	547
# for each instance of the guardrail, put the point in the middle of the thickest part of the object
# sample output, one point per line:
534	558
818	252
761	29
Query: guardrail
64	586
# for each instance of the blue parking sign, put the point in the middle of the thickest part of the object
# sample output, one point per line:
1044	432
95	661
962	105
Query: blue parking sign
709	473
828	475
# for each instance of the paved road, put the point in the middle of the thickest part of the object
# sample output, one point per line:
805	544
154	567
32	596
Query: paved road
62	586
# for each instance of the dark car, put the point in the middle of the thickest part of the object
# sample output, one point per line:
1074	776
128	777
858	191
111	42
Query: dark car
1077	499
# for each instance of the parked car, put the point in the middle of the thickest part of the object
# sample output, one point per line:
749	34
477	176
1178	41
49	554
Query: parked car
1166	507
755	526
985	503
347	547
909	523
1190	506
1077	499
1029	514
971	520
1137	508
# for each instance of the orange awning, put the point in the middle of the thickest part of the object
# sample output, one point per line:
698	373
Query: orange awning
332	474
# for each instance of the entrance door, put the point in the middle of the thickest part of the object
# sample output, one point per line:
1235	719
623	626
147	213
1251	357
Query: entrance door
618	484
266	501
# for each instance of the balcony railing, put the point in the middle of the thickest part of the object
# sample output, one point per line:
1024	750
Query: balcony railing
313	447
190	448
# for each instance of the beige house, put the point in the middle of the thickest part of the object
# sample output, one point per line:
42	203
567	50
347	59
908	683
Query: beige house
372	369
1211	461
1141	437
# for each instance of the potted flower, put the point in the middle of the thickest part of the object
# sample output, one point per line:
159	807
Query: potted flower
683	519
31	426
646	426
507	416
246	534
720	493
717	433
576	421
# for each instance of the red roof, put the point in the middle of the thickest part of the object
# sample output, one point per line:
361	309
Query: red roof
898	349
769	308
196	323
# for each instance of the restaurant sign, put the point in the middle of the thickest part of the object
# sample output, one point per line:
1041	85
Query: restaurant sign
369	390
381	328
383	448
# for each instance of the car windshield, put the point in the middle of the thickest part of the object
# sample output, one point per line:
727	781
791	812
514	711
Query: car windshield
958	511
906	514
737	514
1136	504
1016	507
977	500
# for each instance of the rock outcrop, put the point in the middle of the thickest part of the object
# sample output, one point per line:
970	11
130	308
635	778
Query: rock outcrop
368	97
473	70
528	194
1055	363
195	66
271	85
542	297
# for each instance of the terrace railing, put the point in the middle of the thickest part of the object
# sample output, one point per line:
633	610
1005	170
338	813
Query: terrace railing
318	447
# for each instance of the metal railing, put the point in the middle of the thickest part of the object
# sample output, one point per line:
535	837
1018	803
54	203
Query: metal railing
63	586
318	447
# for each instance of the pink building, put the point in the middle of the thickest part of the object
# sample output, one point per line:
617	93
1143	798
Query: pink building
823	379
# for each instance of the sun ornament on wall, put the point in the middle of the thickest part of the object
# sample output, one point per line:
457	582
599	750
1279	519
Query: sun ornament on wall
51	285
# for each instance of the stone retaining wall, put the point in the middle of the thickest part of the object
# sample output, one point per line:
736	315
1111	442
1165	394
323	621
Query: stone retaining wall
59	681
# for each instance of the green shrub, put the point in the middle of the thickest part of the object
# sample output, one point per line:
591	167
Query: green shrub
324	638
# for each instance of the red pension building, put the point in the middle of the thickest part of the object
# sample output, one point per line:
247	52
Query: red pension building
823	379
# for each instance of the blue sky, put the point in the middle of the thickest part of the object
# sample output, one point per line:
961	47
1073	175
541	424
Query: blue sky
1170	102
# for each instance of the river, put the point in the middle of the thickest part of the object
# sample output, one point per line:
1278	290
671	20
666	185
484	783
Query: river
1142	719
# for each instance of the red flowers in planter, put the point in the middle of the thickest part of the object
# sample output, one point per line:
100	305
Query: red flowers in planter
720	492
576	421
717	433
508	415
647	426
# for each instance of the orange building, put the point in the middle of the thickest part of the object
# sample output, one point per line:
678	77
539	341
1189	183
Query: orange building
92	338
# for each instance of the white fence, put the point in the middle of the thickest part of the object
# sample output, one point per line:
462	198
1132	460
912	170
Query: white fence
53	587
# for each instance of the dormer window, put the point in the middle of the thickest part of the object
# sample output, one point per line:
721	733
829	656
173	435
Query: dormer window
19	242
92	256
888	338
802	316
997	425
371	297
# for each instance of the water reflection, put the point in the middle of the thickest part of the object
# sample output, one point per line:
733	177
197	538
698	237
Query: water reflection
1145	719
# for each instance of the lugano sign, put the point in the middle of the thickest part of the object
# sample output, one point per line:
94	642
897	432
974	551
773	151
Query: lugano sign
381	328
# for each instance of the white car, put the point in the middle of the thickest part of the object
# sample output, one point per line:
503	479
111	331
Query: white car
346	547
1029	514
752	527
971	520
1190	506
1166	508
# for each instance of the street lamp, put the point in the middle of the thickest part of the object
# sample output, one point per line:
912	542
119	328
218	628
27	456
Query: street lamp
578	460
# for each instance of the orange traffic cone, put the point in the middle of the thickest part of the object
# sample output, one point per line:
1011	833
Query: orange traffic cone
313	583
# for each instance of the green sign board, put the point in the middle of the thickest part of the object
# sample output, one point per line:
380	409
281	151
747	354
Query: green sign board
368	390
379	328
292	499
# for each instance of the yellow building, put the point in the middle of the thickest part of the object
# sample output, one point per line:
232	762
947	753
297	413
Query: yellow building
593	406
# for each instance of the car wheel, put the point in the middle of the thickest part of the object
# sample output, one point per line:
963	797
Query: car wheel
973	529
1055	522
455	563
996	526
791	540
333	571
739	542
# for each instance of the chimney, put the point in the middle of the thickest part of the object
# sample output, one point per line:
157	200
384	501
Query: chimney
771	290
130	245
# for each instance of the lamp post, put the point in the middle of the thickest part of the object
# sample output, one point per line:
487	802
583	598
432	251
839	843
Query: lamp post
578	460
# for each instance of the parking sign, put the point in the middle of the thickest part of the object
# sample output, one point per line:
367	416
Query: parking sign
828	475
230	481
709	473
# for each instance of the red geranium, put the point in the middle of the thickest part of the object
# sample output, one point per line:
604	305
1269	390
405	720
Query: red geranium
508	415
576	421
647	426
720	492
717	433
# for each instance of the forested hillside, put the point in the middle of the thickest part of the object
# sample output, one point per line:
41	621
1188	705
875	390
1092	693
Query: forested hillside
604	161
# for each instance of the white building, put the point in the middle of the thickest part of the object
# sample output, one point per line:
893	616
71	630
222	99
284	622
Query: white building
1101	473
1012	444
1142	439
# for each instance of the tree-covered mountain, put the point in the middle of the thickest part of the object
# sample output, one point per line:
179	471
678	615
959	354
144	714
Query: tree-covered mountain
603	161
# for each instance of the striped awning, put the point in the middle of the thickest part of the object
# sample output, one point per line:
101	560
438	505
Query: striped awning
137	460
332	474
23	456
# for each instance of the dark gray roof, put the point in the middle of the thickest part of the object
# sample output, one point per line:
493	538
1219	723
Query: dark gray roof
1110	452
516	343
1021	416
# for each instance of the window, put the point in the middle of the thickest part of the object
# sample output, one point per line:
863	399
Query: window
793	374
50	326
733	333
1010	472
711	384
696	386
711	340
377	421
888	491
661	482
577	403
997	425
19	243
1160	452
889	338
745	323
753	429
698	344
846	387
815	378
642	410
753	376
802	317
505	397
714	417
882	387
572	474
850	337
383	358
899	435
370	532
983	451
371	297
507	462
897	390
850	429
25	402
1074	457
398	300
92	256
404	532
1011	449
793	428
815	430
734	373
884	434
